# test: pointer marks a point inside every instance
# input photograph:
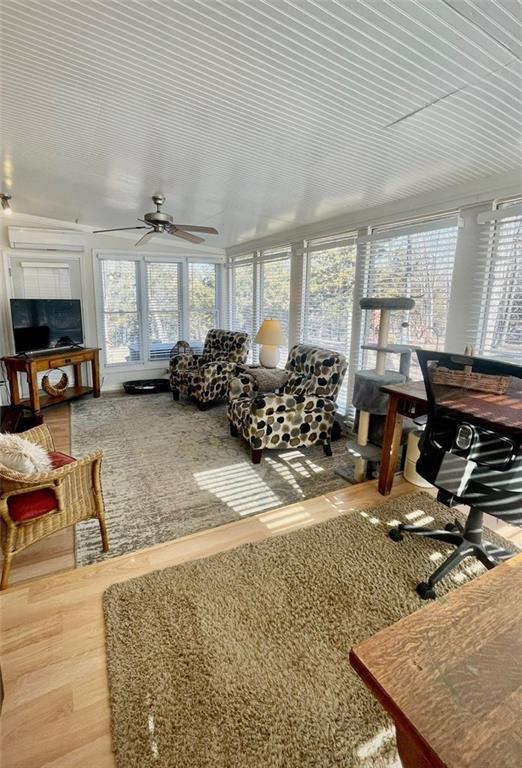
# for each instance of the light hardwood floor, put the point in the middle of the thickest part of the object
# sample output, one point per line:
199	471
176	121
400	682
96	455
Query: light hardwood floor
56	708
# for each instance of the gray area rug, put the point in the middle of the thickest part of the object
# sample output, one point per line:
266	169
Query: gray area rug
170	470
240	660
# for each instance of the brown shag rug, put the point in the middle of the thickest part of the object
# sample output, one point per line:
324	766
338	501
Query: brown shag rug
240	660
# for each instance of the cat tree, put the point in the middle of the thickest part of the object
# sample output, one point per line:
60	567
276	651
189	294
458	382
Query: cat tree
367	396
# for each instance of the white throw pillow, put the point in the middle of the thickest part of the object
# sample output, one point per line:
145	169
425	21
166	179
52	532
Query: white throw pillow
23	456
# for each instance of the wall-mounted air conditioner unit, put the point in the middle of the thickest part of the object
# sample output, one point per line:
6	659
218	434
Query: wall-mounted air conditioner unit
32	239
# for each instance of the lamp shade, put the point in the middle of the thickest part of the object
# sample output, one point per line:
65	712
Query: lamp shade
271	333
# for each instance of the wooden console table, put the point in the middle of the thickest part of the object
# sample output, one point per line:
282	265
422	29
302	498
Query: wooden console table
449	675
31	365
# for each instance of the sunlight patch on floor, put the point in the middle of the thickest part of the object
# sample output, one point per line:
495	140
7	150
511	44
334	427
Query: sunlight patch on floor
239	487
287	474
286	518
373	746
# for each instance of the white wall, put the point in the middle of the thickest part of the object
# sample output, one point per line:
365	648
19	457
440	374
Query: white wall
113	376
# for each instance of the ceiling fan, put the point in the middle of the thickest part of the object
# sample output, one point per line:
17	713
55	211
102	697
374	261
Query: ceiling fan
161	223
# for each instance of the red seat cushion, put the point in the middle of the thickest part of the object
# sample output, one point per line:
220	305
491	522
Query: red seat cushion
33	504
60	459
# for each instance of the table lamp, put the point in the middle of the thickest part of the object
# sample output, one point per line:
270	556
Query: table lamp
271	336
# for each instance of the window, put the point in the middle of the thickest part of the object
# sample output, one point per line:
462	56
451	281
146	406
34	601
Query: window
163	302
501	331
121	320
413	259
147	306
274	292
328	287
202	300
242	301
46	280
259	288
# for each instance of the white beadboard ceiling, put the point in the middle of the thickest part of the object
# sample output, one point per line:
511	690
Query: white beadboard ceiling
253	116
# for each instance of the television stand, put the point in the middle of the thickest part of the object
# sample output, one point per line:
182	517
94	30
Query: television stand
31	366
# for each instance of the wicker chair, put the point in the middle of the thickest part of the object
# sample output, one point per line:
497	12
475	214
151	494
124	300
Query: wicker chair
78	496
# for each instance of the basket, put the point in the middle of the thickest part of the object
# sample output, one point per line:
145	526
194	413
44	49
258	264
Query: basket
466	379
58	389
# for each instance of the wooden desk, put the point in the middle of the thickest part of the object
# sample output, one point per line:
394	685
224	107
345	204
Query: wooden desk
404	400
34	364
489	410
450	675
410	399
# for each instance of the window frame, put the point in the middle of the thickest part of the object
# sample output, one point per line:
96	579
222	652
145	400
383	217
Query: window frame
145	363
322	245
256	260
216	311
403	228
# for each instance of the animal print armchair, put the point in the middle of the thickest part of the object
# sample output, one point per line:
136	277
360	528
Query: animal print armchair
205	378
301	413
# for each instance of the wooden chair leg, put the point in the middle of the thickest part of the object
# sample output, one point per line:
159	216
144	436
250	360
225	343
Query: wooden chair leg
175	394
327	448
104	535
256	455
233	430
5	570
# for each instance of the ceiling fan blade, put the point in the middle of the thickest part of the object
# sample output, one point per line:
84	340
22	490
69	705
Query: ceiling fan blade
208	230
185	235
119	229
146	237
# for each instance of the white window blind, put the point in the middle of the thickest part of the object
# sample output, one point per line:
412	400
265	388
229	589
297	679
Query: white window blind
121	319
164	308
241	303
500	334
46	281
413	259
241	300
202	299
274	291
328	286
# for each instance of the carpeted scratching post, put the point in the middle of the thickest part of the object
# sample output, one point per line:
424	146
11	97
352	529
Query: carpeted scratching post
367	396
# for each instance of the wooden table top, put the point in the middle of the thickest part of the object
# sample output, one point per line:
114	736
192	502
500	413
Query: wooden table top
412	390
450	674
486	408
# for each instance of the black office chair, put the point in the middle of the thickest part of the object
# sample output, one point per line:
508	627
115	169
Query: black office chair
470	451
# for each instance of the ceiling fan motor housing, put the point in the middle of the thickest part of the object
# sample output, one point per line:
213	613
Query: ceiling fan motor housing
158	220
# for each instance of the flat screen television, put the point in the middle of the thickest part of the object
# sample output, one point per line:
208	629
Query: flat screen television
43	324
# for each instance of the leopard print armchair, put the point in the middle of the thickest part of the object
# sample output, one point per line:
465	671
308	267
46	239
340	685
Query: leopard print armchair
301	413
205	378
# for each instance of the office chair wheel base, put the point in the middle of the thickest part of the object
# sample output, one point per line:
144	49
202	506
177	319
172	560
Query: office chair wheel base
452	528
395	535
425	591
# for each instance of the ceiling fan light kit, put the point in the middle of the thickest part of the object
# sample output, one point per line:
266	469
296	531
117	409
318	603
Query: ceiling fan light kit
159	223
